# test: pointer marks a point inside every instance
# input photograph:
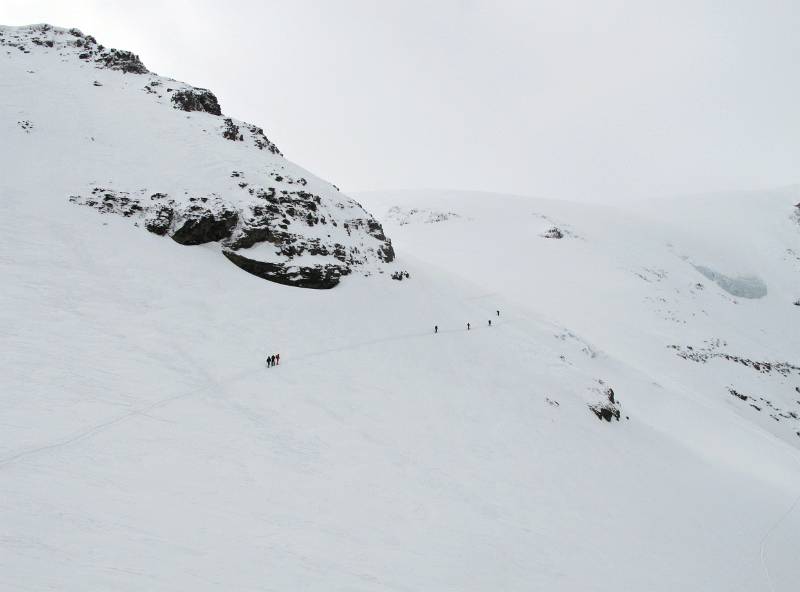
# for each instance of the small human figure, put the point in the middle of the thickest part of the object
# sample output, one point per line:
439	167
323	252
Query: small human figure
490	322
498	313
467	326
436	328
272	359
278	359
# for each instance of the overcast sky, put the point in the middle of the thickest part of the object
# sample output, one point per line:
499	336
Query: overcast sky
579	99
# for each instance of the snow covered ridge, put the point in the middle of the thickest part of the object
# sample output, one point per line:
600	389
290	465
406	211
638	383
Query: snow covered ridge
162	154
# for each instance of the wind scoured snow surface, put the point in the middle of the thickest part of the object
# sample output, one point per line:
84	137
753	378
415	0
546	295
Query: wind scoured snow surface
144	445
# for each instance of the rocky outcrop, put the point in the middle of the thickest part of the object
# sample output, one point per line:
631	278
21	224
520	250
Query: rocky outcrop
230	131
196	99
608	406
554	232
318	277
270	217
711	351
196	220
201	224
124	61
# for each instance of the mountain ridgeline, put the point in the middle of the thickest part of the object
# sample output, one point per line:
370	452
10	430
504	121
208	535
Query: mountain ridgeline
163	154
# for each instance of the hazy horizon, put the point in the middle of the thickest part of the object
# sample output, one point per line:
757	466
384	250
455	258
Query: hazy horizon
588	101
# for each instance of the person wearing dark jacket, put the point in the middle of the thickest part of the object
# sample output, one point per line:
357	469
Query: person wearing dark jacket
467	326
436	328
278	359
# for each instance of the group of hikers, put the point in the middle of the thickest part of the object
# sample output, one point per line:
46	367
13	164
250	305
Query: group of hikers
275	359
469	325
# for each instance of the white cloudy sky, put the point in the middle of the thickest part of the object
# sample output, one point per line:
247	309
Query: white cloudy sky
581	99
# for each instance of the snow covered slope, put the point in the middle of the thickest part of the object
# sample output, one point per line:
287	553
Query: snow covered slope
144	445
94	126
698	293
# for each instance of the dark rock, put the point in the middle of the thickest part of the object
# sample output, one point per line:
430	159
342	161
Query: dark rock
122	60
196	99
200	225
554	232
261	141
738	395
319	277
160	220
607	409
231	130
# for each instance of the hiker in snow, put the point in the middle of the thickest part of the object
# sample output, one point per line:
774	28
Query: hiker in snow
268	362
272	359
490	322
436	328
278	359
467	326
498	313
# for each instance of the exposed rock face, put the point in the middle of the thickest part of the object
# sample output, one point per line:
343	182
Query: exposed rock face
201	225
125	61
554	232
319	277
231	131
711	350
269	216
196	99
197	220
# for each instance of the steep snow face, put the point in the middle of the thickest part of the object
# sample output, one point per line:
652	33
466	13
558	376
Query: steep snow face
95	127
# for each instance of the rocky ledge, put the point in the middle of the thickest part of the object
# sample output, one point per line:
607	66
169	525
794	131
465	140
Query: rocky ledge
273	220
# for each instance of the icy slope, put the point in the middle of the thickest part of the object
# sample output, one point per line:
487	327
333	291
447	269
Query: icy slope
93	125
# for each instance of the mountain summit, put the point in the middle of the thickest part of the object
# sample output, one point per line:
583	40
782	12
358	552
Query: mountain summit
124	141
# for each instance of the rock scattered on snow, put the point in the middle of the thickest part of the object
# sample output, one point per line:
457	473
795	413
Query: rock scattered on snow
711	351
553	232
405	216
608	407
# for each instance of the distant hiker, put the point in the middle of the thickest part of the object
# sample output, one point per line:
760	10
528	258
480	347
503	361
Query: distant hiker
272	359
269	362
278	359
467	326
490	322
436	328
498	313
